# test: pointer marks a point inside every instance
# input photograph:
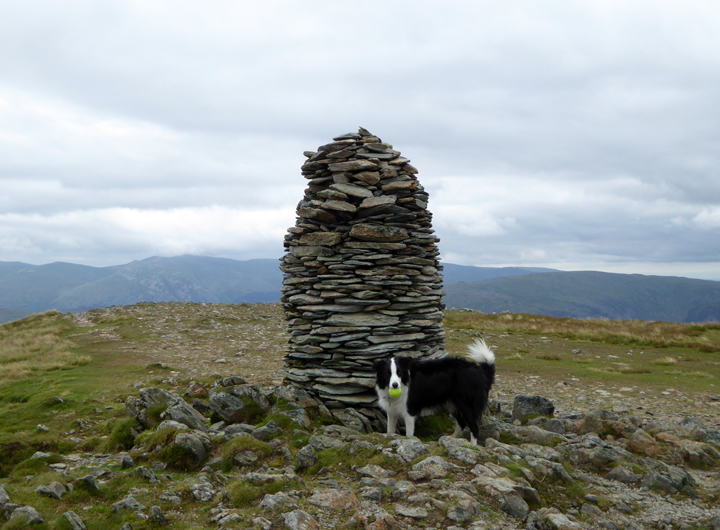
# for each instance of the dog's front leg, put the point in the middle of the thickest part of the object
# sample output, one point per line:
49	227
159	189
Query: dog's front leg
391	423
409	425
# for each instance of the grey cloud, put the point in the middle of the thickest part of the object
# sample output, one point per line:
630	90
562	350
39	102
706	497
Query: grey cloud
584	132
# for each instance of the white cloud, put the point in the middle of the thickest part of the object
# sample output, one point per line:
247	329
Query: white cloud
554	132
209	231
708	218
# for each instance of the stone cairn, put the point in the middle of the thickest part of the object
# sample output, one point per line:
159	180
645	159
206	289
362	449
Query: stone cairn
361	272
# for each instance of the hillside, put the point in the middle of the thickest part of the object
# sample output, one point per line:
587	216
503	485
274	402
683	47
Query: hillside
122	419
592	295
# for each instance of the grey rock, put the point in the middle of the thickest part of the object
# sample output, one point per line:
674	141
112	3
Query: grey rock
74	520
90	482
145	473
157	516
278	500
352	419
28	514
241	429
128	503
172	424
534	435
555	425
126	462
4	497
153	397
183	413
172	497
196	442
414	512
268	431
624	475
306	457
410	448
262	523
524	406
300	520
54	490
320	442
245	458
431	467
591	511
229	407
371	493
202	492
298	416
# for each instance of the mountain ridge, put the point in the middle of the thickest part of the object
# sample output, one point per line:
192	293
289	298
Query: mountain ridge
67	287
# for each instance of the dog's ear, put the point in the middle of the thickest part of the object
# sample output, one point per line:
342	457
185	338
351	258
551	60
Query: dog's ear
403	363
378	364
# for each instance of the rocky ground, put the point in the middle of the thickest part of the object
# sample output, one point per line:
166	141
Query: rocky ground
244	451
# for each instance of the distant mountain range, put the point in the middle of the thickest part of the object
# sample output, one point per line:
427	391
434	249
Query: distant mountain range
66	287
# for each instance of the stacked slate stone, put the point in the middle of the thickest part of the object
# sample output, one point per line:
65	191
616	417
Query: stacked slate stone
362	278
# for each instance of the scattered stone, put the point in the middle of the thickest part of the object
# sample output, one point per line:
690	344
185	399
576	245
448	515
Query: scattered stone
525	406
230	408
333	499
74	520
27	514
431	467
126	462
306	457
128	503
300	520
157	516
624	475
278	500
197	442
145	473
90	482
414	512
4	497
54	490
202	492
269	430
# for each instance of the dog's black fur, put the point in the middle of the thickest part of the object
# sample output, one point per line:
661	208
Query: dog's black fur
456	385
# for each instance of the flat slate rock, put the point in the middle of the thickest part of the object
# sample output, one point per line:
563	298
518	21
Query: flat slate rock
362	278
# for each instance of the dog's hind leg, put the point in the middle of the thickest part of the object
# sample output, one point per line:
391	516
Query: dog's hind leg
458	430
465	415
459	424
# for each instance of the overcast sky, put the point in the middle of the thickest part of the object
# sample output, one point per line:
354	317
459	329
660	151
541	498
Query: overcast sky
579	135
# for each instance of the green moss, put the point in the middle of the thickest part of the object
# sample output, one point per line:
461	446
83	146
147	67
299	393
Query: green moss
430	428
178	458
507	438
244	494
157	439
153	415
240	445
121	436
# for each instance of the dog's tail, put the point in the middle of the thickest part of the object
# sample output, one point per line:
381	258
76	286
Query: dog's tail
481	353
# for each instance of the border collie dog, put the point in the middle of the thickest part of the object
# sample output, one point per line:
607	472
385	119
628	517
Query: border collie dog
406	387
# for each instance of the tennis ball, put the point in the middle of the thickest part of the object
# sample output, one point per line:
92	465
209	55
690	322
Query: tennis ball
395	392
